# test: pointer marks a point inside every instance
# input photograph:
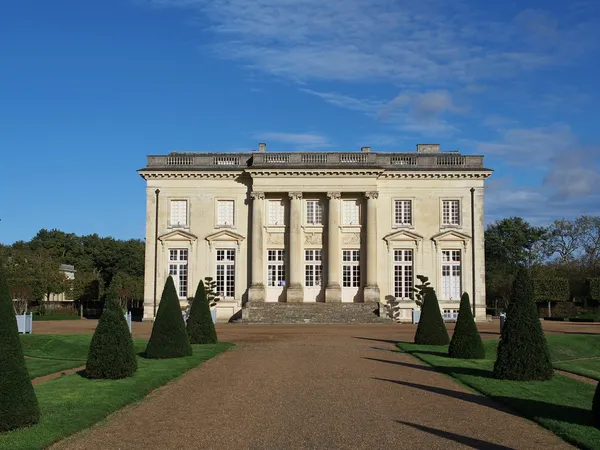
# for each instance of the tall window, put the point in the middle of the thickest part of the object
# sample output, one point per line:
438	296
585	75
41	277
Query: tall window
450	274
351	212
178	213
314	212
276	212
226	273
313	270
225	212
451	212
178	269
402	212
275	268
351	268
403	274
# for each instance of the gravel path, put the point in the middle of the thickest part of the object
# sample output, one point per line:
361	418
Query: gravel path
314	387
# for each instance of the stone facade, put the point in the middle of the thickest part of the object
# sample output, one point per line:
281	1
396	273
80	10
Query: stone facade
316	227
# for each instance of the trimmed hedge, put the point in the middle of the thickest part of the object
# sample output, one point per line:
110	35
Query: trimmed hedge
431	329
551	289
169	337
200	327
596	407
593	288
466	342
522	352
111	355
18	404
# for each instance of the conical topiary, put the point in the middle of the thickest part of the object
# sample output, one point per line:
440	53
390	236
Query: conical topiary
431	329
522	353
111	355
200	327
596	407
466	342
169	338
18	403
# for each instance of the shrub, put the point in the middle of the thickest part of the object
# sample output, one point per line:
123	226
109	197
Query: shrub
522	353
466	342
431	329
596	407
169	338
593	285
111	354
551	289
18	403
200	327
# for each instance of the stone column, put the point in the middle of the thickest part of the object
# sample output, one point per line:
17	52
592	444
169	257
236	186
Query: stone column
295	289
333	291
371	291
256	293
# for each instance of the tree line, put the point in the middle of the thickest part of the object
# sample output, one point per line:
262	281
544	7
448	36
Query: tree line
563	259
104	265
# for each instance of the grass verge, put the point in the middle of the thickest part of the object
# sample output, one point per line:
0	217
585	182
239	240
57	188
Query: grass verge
562	405
66	347
588	368
72	403
41	367
37	317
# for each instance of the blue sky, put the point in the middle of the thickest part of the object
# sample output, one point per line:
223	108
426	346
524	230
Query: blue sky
89	88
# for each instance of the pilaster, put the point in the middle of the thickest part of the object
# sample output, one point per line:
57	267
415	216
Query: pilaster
257	292
371	291
295	289
333	290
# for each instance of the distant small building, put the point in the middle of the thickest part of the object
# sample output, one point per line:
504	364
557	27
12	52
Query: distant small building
69	272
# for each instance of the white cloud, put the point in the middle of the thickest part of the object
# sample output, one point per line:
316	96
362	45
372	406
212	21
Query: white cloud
299	140
370	40
524	146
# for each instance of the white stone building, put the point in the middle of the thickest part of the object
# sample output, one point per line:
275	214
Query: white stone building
328	227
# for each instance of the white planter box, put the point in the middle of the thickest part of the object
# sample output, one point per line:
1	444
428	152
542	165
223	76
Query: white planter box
25	323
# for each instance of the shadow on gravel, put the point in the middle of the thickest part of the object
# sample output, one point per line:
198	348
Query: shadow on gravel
445	370
465	440
525	407
387	341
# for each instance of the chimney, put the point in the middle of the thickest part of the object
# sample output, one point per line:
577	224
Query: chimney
262	147
365	149
428	148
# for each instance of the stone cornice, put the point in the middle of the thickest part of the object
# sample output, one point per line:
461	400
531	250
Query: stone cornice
149	175
438	175
270	173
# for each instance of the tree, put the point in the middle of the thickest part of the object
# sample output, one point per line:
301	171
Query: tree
596	407
550	289
522	353
431	329
200	326
590	239
466	342
509	244
421	289
169	337
18	403
126	288
564	238
212	296
111	355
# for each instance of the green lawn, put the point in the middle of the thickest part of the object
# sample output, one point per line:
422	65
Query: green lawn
72	403
56	317
41	367
588	367
562	404
573	346
67	347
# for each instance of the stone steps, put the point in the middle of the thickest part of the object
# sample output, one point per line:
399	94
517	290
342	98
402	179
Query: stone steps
271	313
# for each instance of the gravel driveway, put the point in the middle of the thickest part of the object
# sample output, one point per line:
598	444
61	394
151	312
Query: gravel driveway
313	387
